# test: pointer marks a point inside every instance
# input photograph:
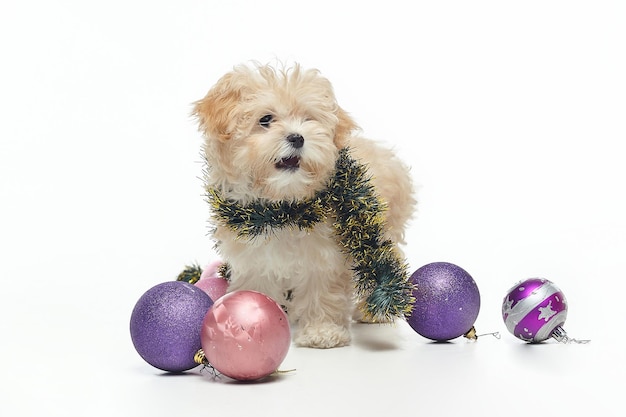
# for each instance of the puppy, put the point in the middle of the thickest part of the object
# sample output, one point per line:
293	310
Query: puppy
272	139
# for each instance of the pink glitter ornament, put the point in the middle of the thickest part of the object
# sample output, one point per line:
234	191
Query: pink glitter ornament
211	270
535	310
211	282
214	287
245	335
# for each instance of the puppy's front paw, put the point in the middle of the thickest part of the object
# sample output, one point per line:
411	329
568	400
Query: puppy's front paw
323	336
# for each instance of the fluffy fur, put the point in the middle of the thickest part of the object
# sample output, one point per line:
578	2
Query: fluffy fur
274	134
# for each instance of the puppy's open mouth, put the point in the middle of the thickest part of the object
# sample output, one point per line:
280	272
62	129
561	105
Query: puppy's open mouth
292	162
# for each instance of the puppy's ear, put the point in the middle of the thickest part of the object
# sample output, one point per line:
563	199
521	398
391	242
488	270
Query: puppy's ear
216	112
344	128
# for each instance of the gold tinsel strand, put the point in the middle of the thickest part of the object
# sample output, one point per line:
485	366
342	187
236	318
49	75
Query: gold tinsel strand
190	274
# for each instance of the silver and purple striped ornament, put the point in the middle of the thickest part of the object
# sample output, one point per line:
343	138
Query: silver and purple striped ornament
535	310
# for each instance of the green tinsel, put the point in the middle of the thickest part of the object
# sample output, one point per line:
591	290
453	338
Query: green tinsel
381	276
190	274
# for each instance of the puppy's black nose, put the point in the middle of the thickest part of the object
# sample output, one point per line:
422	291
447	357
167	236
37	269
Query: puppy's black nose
296	140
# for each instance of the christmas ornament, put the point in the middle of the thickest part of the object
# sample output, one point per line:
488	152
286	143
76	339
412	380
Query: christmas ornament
535	310
447	302
245	335
211	282
215	287
212	270
165	325
350	200
209	279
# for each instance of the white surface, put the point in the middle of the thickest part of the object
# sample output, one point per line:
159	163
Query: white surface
511	115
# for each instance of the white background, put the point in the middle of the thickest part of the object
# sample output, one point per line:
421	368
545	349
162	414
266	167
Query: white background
511	115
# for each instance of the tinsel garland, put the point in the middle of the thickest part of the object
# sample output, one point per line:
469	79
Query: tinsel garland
190	274
381	276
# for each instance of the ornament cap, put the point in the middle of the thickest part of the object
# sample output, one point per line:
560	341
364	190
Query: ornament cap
471	334
200	358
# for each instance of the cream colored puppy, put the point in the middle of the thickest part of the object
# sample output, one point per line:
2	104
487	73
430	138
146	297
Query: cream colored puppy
272	139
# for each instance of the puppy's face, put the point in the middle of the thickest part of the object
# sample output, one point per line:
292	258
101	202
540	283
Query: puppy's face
272	134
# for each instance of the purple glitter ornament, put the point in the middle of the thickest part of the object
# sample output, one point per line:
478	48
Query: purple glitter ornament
534	310
166	322
447	301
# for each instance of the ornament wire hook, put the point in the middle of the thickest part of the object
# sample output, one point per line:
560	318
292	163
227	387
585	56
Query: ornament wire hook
494	334
201	359
471	334
280	371
560	335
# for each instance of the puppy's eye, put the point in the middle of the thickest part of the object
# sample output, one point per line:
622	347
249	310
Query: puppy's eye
266	120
